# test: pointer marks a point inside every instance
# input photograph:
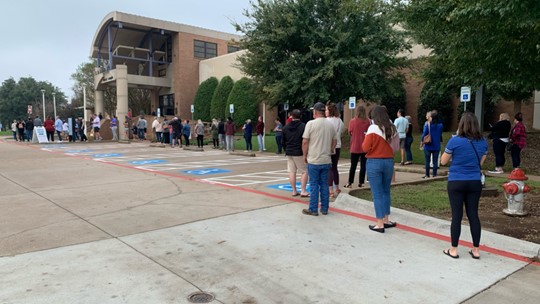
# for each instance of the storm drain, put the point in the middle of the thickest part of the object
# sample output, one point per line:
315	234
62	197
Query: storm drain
200	297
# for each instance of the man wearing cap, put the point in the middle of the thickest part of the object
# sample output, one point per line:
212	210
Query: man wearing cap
319	142
292	143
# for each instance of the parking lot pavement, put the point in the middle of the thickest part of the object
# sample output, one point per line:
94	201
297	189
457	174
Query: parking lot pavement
116	223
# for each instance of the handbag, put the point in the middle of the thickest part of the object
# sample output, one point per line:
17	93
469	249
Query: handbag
427	139
482	176
394	143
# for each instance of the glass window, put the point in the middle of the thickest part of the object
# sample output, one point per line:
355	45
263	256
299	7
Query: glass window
203	49
232	48
166	104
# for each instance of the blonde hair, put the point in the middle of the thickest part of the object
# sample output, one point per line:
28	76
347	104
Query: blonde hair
504	116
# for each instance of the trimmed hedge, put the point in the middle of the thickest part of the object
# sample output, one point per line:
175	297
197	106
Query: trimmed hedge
244	100
203	99
219	100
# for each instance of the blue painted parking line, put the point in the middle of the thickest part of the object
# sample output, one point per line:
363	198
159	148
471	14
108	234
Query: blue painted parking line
287	187
78	151
205	171
148	162
107	155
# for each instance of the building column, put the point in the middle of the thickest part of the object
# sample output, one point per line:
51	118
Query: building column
536	113
121	99
98	106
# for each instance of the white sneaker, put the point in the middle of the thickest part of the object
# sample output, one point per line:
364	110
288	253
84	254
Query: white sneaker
496	171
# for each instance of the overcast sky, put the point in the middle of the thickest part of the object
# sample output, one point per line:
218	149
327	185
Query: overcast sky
49	39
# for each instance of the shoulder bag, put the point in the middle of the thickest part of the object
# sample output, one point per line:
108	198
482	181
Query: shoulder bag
427	138
482	176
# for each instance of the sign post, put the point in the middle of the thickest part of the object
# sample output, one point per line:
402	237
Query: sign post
286	108
465	96
192	111
231	109
352	105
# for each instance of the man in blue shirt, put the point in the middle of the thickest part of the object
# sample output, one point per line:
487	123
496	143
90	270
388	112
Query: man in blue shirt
58	127
402	124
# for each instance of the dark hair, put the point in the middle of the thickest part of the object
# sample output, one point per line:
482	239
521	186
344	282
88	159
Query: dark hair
468	127
296	114
518	116
332	109
380	117
434	117
401	112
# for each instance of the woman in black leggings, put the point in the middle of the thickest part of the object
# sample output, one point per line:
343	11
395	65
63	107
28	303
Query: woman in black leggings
467	151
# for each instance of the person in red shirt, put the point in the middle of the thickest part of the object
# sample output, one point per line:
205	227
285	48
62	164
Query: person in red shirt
518	138
49	128
358	127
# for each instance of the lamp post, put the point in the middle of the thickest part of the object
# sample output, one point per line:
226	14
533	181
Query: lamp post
43	97
54	103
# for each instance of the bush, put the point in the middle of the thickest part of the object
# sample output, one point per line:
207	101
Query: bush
244	100
221	95
433	99
203	99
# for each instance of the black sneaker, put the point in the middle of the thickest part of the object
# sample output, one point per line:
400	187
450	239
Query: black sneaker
309	212
324	212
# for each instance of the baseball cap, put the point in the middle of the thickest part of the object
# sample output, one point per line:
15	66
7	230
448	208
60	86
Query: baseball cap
319	106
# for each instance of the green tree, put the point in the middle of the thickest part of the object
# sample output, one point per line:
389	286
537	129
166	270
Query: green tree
483	42
302	51
15	97
245	101
203	99
219	100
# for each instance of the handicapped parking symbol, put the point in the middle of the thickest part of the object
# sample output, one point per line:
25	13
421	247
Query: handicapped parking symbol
206	171
287	187
106	155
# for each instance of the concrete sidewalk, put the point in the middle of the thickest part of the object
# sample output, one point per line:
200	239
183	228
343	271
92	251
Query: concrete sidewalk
76	230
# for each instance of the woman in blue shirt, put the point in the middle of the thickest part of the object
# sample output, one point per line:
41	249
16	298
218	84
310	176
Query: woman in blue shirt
467	151
432	149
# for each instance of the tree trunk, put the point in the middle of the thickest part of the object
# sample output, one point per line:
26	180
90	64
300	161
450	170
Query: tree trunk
517	107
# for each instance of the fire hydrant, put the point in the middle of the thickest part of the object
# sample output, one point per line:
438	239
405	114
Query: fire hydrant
514	191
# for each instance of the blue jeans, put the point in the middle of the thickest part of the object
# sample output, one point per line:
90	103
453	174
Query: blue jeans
29	134
318	183
249	146
408	143
380	171
260	140
431	154
279	143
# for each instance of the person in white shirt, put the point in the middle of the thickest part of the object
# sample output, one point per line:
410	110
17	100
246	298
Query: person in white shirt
332	115
65	130
96	124
402	124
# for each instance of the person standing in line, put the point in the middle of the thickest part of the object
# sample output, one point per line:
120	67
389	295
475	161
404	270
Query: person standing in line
259	128
38	122
380	165
215	134
278	131
114	128
155	123
49	128
518	138
96	124
292	144
141	127
159	131
332	115
82	127
408	142
186	131
431	150
221	134
467	151
65	130
175	129
289	118
248	132
199	130
14	129
20	129
58	126
401	124
318	144
358	127
499	134
165	135
29	129
229	134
